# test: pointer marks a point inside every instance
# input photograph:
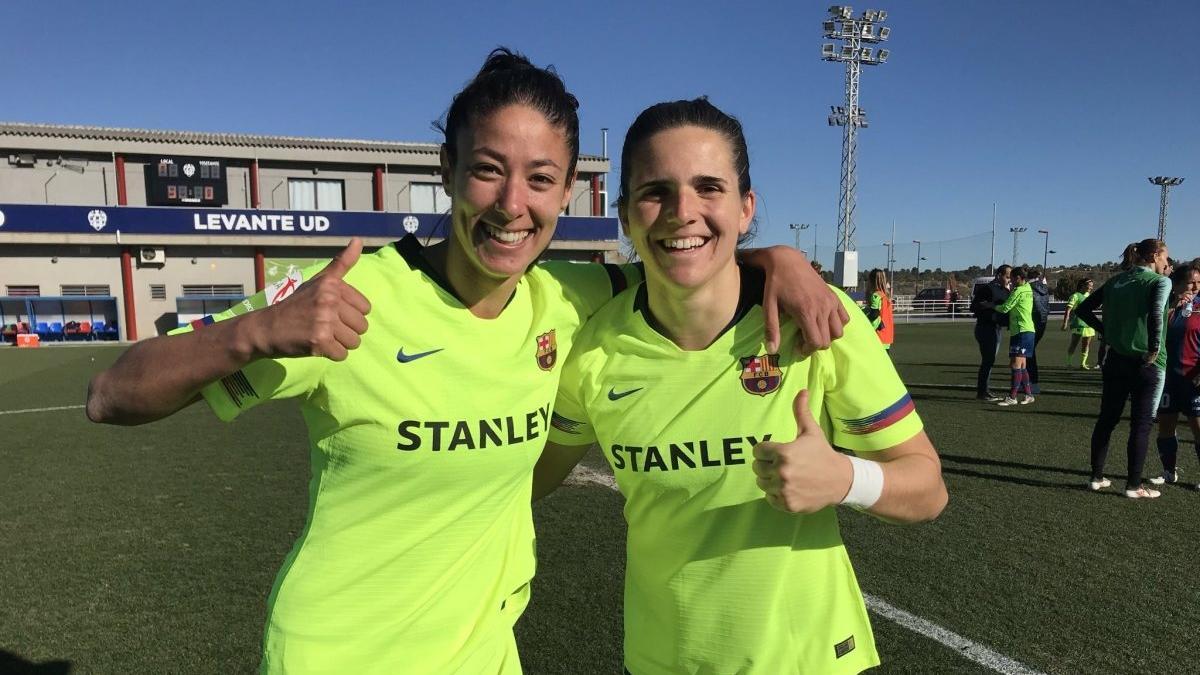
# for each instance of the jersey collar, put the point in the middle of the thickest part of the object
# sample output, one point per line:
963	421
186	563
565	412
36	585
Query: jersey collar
751	292
411	250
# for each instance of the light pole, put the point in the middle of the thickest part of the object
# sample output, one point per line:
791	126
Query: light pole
799	227
891	258
1046	250
853	33
1166	183
1016	233
917	271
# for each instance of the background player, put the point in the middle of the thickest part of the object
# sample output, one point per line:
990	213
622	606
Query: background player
1181	392
418	548
879	307
1021	336
1135	303
697	419
1081	333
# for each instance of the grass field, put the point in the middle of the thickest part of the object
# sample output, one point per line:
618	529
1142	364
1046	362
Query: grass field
152	549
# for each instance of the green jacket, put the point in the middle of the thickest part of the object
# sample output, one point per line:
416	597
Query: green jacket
1135	313
1019	307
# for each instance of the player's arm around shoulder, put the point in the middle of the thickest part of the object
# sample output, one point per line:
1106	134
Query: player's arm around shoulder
153	379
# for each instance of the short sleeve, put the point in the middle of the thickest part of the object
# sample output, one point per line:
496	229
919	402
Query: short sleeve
265	379
569	423
867	406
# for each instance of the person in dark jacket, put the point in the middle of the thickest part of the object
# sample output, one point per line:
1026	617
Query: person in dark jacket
1041	315
984	301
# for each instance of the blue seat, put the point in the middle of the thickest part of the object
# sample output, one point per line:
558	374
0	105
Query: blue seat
56	330
42	329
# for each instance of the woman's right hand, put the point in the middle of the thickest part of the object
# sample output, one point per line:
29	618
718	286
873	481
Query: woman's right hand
324	317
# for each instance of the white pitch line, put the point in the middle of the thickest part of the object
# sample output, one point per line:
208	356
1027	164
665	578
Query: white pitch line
1056	392
33	410
968	649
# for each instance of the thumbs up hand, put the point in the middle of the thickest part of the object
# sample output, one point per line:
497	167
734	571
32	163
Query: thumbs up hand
325	317
804	475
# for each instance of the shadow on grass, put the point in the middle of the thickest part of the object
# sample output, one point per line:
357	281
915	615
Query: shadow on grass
1002	478
11	664
979	461
1027	410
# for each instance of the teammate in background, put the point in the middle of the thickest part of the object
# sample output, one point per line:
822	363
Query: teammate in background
415	558
879	307
1128	262
1041	316
735	563
1081	333
1181	393
1021	336
1135	304
984	301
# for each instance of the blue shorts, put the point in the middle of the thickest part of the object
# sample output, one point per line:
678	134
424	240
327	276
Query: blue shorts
1021	344
1180	396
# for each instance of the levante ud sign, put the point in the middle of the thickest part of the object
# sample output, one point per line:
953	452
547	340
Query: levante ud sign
50	219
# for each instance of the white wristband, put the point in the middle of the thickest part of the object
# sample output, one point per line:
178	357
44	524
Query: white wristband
867	484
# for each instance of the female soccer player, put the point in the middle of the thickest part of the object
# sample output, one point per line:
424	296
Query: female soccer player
720	445
1081	333
879	307
1181	393
424	429
1135	304
1022	334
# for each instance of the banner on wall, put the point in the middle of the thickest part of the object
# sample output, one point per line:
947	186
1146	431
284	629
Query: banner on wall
53	219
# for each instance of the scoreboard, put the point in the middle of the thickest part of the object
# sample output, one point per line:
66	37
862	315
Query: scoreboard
186	181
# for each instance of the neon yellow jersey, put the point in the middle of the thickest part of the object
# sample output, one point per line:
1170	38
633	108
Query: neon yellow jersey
1019	307
717	581
419	545
1077	324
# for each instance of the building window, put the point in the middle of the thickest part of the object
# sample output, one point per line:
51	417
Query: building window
306	194
84	289
428	198
24	291
158	291
205	290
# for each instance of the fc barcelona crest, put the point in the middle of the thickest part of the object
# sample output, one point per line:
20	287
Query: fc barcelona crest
761	374
547	351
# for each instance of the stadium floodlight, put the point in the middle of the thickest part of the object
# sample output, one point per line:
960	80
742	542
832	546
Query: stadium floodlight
830	28
1165	183
854	38
828	51
1016	232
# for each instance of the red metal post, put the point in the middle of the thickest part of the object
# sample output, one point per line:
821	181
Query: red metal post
597	205
379	188
127	292
254	202
260	273
122	200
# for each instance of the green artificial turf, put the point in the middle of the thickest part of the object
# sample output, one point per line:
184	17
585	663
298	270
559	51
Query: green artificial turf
152	549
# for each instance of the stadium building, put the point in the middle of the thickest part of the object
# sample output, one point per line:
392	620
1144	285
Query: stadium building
109	233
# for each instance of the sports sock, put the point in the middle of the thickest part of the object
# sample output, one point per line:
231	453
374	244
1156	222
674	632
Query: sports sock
1083	354
1026	382
1016	382
1168	451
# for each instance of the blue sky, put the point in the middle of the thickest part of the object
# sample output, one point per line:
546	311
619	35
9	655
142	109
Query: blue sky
1056	112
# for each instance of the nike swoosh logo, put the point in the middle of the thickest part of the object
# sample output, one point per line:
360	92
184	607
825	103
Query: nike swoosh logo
405	358
614	396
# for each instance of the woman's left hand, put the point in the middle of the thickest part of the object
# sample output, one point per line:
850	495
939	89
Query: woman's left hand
804	475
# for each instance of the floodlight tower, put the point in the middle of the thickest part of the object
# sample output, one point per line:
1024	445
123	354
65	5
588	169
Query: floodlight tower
1045	250
797	228
1016	231
1166	183
852	33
